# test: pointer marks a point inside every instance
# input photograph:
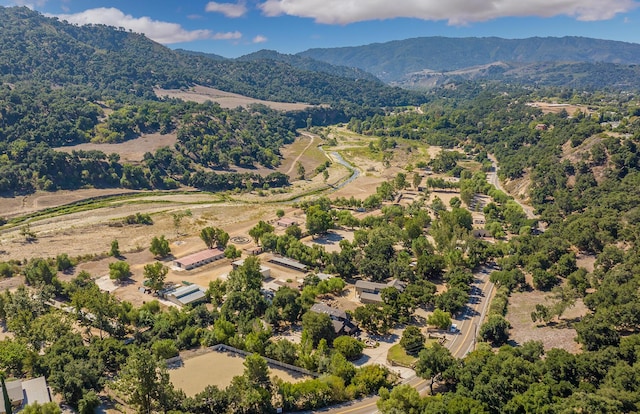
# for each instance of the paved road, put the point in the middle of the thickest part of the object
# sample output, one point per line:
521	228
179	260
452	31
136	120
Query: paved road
468	322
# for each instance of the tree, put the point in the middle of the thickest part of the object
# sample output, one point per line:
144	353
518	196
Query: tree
46	408
402	399
63	262
325	175
245	277
317	326
38	271
208	236
5	396
155	273
495	330
412	340
89	403
440	319
279	213
260	229
119	271
300	170
177	219
433	361
114	251
214	237
417	180
144	382
318	220
232	252
350	347
216	291
160	247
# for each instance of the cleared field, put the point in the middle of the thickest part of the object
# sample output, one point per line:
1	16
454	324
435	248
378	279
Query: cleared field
202	94
217	368
132	150
556	335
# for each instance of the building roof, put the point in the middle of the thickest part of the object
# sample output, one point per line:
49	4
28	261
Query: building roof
286	221
36	390
324	276
365	284
188	294
333	312
26	392
285	261
371	297
199	257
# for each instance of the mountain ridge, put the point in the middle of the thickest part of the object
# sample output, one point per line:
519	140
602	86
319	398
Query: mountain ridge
392	61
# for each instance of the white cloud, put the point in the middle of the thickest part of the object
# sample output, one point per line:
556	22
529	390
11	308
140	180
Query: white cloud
456	12
228	9
161	32
227	36
259	39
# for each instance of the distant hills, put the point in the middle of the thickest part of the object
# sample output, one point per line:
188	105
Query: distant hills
429	61
111	61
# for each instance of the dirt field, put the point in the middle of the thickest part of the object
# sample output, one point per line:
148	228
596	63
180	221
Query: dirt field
556	108
132	150
202	94
558	335
217	368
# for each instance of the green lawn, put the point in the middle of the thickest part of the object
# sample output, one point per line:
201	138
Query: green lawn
399	356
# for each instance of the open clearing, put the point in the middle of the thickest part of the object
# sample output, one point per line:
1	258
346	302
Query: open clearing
217	368
556	108
132	150
202	94
556	335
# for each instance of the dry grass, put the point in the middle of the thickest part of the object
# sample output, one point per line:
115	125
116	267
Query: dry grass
202	94
132	150
558	334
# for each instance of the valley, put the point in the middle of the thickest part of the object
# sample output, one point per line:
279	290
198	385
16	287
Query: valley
423	225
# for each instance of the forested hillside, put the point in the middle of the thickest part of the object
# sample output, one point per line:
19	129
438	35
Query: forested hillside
399	61
107	60
62	84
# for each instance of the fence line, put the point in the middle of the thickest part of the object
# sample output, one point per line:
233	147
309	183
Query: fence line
227	348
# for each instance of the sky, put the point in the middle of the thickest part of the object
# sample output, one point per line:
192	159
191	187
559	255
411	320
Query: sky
233	29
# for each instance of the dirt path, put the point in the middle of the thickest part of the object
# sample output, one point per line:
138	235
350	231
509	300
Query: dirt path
295	161
492	178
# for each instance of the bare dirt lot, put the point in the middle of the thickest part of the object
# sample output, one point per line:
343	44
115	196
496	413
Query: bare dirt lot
202	94
557	335
217	368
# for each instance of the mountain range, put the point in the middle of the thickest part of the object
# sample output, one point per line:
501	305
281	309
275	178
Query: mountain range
395	61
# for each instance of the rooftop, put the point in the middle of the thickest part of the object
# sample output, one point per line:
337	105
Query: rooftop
199	256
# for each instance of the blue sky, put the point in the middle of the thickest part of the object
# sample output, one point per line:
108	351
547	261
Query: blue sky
232	29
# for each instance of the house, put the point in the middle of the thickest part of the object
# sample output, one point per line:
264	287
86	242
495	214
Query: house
370	292
286	222
342	324
264	270
290	263
23	393
541	127
186	295
199	259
